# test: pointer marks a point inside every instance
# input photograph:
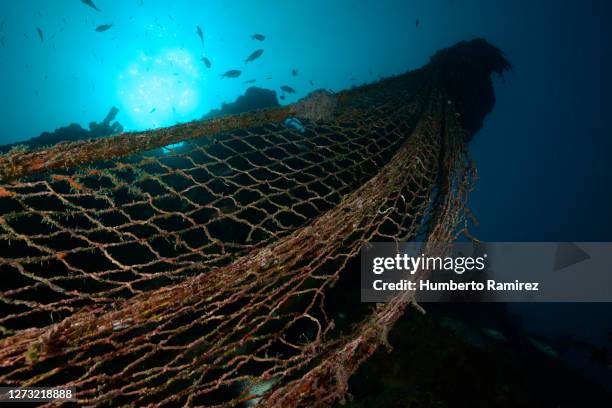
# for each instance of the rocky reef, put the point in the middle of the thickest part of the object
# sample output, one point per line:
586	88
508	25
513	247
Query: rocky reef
73	132
253	99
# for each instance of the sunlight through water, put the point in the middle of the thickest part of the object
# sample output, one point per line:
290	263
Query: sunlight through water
160	90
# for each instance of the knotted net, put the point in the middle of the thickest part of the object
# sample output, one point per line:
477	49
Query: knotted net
197	265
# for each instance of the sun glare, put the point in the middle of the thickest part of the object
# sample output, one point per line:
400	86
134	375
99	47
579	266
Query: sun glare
160	90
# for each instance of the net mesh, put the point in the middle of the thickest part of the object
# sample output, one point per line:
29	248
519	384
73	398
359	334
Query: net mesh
203	272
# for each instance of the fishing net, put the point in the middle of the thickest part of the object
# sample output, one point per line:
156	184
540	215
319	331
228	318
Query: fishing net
201	264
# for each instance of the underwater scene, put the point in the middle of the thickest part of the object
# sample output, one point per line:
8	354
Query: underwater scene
392	203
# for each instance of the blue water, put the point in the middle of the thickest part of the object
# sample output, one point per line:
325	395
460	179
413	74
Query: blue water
543	154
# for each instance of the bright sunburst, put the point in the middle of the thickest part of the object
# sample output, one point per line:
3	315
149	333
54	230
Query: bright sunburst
159	90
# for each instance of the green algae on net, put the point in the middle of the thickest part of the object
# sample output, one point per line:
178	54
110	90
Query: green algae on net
197	275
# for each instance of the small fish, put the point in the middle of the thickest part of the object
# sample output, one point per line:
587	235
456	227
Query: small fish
254	56
417	22
353	79
287	89
152	110
250	81
40	34
103	27
294	72
206	62
232	73
294	123
200	34
282	97
543	347
90	4
258	37
311	83
494	334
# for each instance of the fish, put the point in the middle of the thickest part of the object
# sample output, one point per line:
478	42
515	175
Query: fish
294	123
543	347
287	89
282	97
494	334
90	4
40	34
254	56
294	72
417	22
103	27
311	83
206	62
200	34
152	110
232	73
258	37
250	81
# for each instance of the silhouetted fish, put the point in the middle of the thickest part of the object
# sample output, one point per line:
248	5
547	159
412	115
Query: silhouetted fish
282	97
40	34
258	37
250	81
200	34
206	62
103	27
232	73
417	22
254	56
90	4
152	110
294	72
287	89
311	83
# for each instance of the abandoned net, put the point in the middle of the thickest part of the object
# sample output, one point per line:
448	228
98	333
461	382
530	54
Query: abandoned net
201	264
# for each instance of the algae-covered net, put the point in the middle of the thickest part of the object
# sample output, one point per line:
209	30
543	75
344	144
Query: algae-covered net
197	265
